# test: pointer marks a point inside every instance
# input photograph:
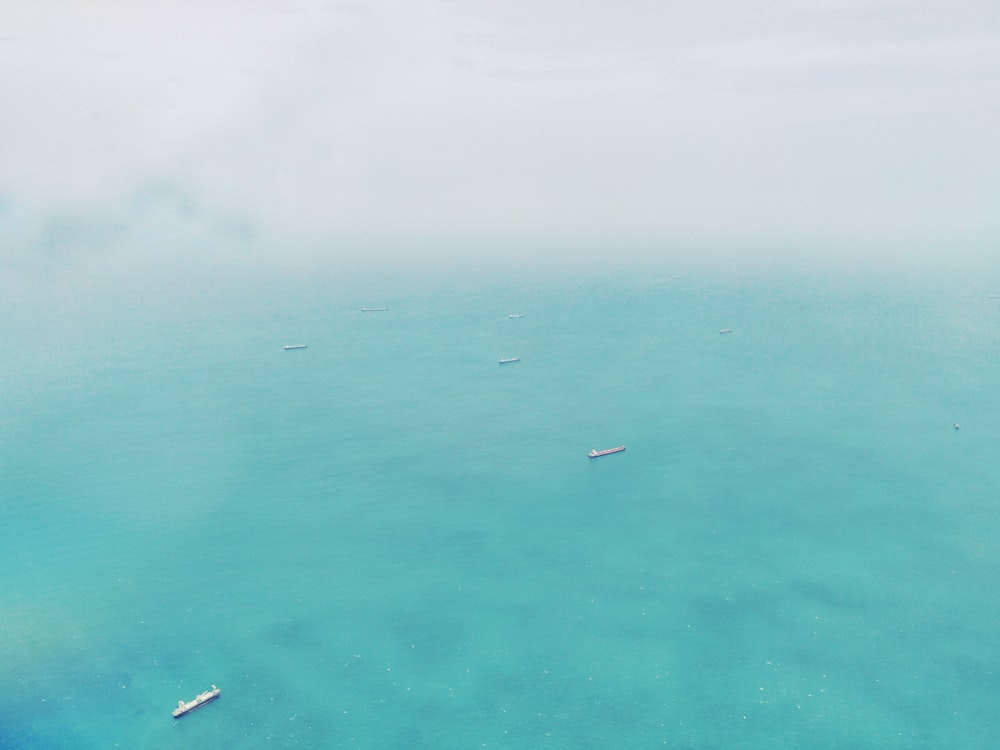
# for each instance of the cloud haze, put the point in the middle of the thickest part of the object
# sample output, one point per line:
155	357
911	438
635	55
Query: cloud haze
450	125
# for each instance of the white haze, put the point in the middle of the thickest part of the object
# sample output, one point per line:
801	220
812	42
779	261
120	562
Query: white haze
382	132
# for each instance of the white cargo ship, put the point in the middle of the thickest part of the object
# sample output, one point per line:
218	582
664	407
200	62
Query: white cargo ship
199	700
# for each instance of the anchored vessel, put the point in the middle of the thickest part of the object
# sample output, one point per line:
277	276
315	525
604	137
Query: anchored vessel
726	330
296	346
199	700
606	452
374	309
508	360
515	315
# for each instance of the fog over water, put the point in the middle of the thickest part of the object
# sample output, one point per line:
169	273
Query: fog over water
385	538
336	134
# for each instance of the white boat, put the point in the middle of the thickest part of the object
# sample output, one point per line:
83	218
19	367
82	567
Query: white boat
374	309
296	346
726	330
515	315
508	360
199	700
606	452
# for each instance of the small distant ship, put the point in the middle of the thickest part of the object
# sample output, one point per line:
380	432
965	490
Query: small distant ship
515	315
606	452
296	346
374	309
726	330
199	700
508	360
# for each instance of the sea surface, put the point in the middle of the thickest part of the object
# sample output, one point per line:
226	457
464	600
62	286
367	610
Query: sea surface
389	540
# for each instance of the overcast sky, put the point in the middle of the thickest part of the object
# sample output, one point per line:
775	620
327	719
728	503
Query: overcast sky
399	128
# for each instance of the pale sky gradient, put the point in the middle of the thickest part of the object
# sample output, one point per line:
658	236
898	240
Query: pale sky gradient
456	127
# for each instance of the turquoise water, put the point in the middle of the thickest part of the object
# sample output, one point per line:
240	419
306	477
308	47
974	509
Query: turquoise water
387	540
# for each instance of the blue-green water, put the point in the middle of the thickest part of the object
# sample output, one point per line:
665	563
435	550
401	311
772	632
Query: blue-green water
387	540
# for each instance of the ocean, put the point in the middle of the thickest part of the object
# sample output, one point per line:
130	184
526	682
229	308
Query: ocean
389	540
